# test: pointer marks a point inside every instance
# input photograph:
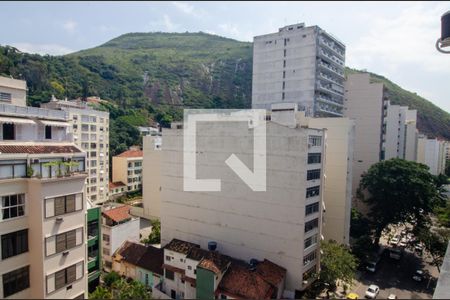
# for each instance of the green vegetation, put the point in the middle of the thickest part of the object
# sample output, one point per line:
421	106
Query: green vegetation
118	288
155	236
399	191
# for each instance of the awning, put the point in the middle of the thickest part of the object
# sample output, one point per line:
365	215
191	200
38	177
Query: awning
54	123
8	120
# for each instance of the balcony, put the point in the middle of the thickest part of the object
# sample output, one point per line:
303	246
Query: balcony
35	112
327	88
328	100
327	109
332	47
328	67
330	79
331	58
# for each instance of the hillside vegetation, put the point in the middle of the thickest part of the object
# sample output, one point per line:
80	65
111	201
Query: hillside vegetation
152	76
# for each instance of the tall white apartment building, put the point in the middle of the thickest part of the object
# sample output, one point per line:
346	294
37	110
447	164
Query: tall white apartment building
400	133
43	212
431	152
282	224
302	65
90	129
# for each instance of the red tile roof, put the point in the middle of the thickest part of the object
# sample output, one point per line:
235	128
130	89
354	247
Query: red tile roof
131	252
215	262
240	282
270	272
38	149
180	246
118	214
113	185
131	153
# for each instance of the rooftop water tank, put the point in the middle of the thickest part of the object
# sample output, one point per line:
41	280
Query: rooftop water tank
445	22
212	246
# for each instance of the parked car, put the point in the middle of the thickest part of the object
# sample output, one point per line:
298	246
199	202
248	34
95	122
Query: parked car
403	233
396	253
372	291
372	266
403	242
395	240
418	276
418	248
392	296
352	296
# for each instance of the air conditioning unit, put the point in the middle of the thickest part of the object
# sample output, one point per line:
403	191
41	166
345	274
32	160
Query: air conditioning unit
59	220
65	253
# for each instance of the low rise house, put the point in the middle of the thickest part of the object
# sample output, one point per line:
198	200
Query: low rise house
116	189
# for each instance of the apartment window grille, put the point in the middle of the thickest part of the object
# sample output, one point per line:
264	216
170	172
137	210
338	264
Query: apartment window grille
311	208
314	158
66	240
315	140
67	276
310	225
5	97
309	258
312	191
92	230
48	132
12	206
313	174
8	131
14	243
16	281
312	240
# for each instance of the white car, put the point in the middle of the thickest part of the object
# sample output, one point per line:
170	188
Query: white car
395	240
392	296
403	242
418	276
372	291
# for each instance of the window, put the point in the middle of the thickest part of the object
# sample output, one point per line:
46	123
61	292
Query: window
310	225
284	85
310	273
315	140
14	243
84	127
64	205
311	208
92	228
284	63
65	241
189	268
282	96
106	237
93	128
64	277
170	275
13	206
129	165
106	251
284	53
313	174
8	131
48	132
167	257
309	258
314	158
312	191
312	240
16	281
5	97
284	74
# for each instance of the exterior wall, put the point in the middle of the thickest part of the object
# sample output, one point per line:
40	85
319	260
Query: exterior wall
205	284
119	169
431	152
153	279
17	89
121	172
400	134
117	235
338	176
151	177
364	104
125	269
393	126
94	265
245	224
286	68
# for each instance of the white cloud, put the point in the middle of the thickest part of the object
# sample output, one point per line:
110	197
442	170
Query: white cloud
52	49
184	7
408	39
168	24
70	26
230	29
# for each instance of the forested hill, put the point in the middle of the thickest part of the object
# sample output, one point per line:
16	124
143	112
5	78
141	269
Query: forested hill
151	76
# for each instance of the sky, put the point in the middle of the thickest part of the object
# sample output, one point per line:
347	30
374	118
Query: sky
393	39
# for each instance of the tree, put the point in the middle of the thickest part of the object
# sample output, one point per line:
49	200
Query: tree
447	167
337	263
155	236
435	242
111	278
397	191
133	289
101	293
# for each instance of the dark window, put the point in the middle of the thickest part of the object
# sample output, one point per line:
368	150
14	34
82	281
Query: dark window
6	97
173	294
284	54
284	85
282	96
311	208
314	158
167	257
284	63
8	131
312	240
309	258
48	132
12	206
16	281
65	277
312	191
284	74
310	225
313	174
170	275
66	240
64	204
14	243
93	228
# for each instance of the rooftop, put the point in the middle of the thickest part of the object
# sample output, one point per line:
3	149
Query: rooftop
152	260
180	246
131	153
131	252
271	272
113	185
215	262
118	214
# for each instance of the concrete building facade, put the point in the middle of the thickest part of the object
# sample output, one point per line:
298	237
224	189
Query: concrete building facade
282	224
42	203
151	177
431	152
90	130
302	65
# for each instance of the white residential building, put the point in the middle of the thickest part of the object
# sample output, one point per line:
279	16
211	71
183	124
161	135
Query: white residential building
282	224
298	64
127	168
90	129
117	227
42	202
431	152
151	177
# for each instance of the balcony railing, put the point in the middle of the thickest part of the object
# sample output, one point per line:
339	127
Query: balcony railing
330	68
329	109
330	79
332	47
328	101
328	88
28	111
331	58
